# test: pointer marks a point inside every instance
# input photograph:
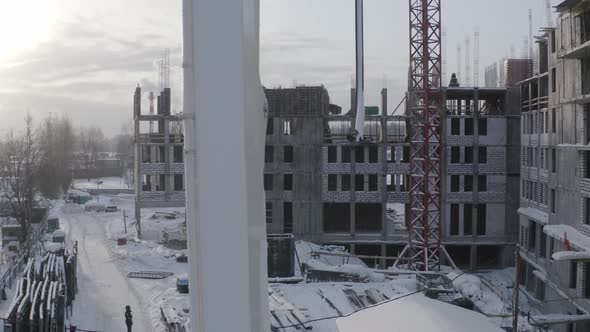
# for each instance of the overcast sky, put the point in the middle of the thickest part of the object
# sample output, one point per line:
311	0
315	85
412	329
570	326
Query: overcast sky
84	58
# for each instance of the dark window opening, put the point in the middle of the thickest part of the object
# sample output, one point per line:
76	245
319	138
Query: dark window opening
391	154
161	154
454	183
373	182
390	182
482	126
161	182
332	182
482	154
586	164
270	126
359	154
268	154
454	219
552	200
370	250
553	121
288	154
455	155
332	154
346	182
288	217
373	155
346	154
146	183
468	126
336	217
359	182
455	126
288	182
532	236
587	280
573	275
146	154
586	210
178	182
553	80
482	183
368	217
553	160
468	155
468	183
269	212
406	154
543	246
178	154
467	219
268	182
553	41
481	219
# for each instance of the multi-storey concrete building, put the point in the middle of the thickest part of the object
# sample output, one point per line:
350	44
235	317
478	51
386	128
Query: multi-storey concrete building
323	188
158	156
555	185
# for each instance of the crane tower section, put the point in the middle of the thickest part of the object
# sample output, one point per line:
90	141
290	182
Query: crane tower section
425	105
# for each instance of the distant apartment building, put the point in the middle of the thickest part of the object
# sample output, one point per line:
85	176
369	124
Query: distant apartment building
158	155
323	188
555	186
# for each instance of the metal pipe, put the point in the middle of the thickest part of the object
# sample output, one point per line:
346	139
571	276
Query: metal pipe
360	73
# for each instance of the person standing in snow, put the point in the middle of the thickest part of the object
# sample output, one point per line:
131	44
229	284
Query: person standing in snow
128	318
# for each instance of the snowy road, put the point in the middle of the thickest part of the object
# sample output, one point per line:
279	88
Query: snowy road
104	290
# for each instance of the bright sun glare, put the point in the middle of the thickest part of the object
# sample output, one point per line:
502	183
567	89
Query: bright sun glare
23	25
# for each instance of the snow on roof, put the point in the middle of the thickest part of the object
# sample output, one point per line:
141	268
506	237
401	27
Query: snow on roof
571	255
553	319
535	214
59	232
577	240
416	313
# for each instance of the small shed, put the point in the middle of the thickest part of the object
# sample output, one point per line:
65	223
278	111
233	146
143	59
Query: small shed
58	236
52	224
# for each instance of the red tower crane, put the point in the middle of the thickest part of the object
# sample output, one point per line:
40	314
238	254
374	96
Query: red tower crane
425	107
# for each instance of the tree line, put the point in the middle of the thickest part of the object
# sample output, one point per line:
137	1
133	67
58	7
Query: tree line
36	161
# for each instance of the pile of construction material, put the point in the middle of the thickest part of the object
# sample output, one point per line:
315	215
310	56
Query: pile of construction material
45	291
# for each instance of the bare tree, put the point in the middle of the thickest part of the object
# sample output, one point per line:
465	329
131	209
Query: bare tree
56	142
19	190
91	140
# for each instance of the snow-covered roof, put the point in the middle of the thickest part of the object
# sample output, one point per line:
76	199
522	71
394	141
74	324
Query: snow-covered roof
416	313
571	255
576	239
574	146
553	319
535	214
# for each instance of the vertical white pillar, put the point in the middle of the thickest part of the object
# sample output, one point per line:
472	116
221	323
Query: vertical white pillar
224	142
360	71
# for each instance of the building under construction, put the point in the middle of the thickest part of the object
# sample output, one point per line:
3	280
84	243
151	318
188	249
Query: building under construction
323	188
158	155
555	185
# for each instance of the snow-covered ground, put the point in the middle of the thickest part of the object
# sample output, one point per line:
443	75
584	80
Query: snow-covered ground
107	183
105	288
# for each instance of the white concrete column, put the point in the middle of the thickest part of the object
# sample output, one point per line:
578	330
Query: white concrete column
224	149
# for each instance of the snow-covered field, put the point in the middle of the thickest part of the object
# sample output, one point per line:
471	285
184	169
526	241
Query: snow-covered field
107	183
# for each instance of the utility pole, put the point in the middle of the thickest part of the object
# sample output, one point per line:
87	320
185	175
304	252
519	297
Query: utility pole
516	289
125	221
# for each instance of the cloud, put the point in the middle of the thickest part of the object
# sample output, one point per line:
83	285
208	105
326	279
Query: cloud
86	71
